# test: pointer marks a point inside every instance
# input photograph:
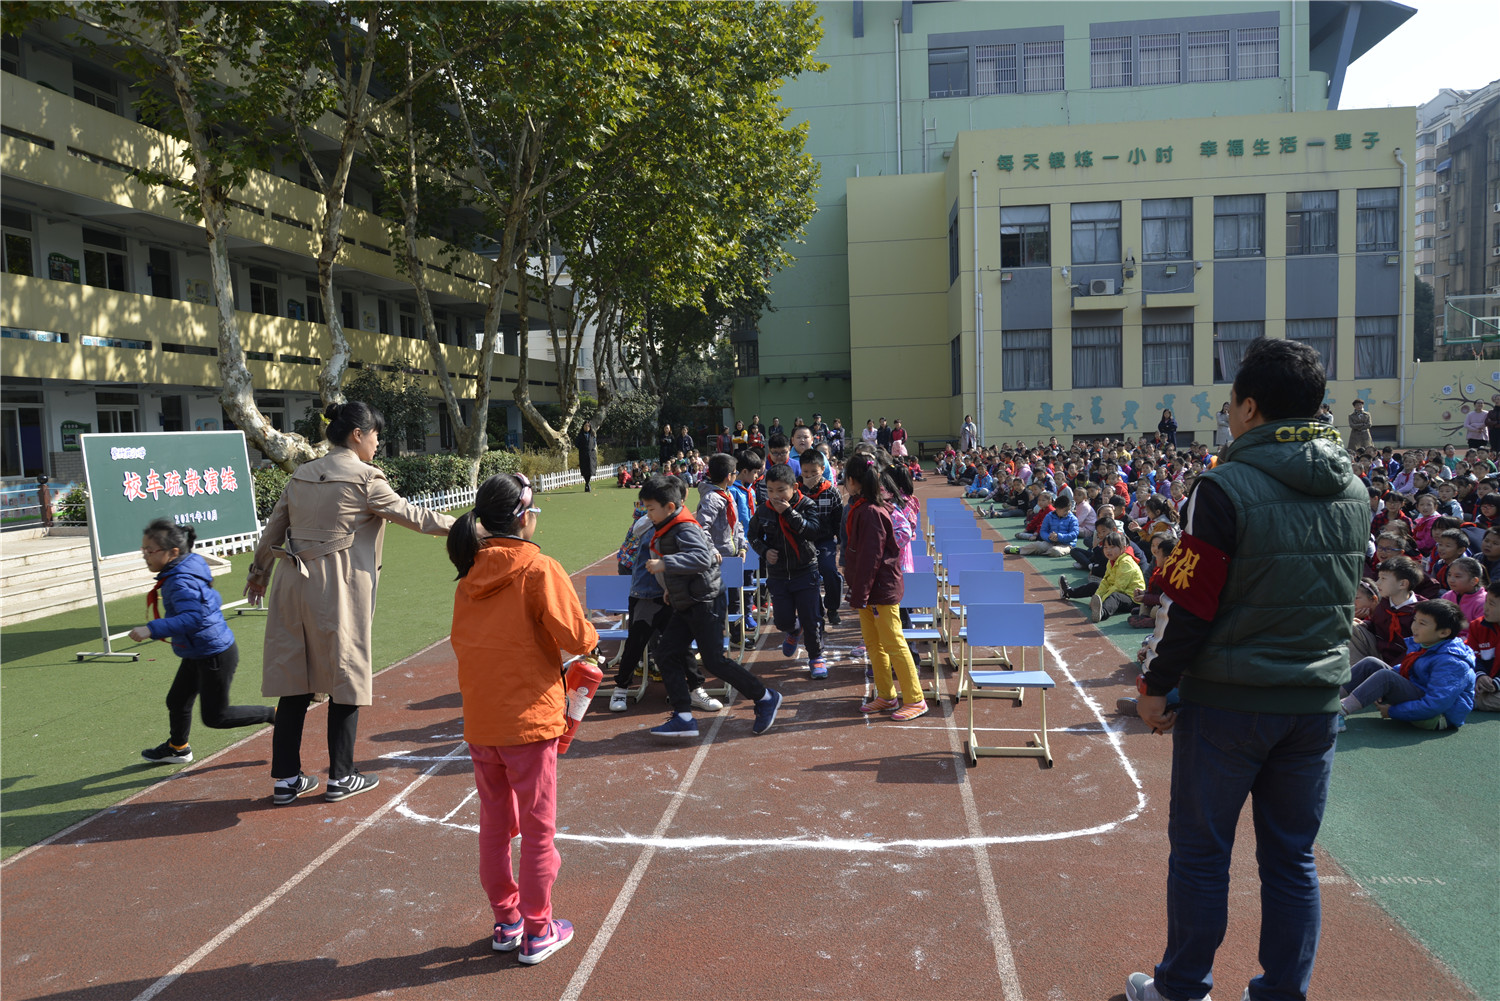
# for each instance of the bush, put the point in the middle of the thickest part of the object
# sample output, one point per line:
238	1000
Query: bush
73	508
533	463
498	461
424	474
269	483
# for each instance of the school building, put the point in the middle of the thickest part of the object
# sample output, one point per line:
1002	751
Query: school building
920	101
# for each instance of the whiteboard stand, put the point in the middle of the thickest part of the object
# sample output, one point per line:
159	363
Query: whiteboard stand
108	651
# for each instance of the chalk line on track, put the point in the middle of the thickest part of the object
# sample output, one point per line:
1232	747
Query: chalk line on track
285	888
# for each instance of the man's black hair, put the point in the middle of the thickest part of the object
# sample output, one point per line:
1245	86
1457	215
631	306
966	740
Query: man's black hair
1285	378
1444	614
781	473
663	490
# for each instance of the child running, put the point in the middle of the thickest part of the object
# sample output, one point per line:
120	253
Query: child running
782	533
516	619
199	635
872	569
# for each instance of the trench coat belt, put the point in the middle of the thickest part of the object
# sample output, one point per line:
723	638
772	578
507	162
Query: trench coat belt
322	542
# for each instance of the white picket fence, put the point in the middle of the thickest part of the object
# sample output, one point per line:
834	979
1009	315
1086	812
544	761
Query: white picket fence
443	500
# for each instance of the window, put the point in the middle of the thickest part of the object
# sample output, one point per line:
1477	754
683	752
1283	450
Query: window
382	316
1312	222
1317	334
1230	342
1043	66
948	73
1208	56
1426	166
346	310
1374	347
20	440
1445	133
1375	220
11	61
1166	229
1096	233
1161	59
1109	62
117	412
953	250
747	357
408	321
1426	218
92	86
104	260
1427	191
995	69
1257	53
1239	225
1167	354
956	365
20	255
1425	243
1096	357
1026	359
159	269
1424	269
1026	236
1427	139
172	410
264	295
314	300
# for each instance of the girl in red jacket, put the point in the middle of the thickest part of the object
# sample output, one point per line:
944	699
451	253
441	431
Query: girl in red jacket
516	618
872	568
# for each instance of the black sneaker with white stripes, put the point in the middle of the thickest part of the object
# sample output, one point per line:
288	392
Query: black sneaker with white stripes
165	754
350	785
290	790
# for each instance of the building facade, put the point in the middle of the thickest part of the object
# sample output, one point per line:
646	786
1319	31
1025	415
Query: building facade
1437	120
1466	277
106	303
907	82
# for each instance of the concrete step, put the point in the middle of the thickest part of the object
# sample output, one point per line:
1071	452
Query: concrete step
72	587
35	575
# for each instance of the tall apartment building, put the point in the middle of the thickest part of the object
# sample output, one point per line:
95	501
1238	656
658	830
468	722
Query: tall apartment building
913	87
106	305
1437	120
1466	266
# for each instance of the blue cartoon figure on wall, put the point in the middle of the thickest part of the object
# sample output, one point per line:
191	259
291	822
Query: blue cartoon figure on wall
1168	402
1201	402
1068	417
1045	418
1131	406
1007	412
1096	409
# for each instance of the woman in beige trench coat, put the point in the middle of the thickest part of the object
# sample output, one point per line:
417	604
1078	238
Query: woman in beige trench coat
328	528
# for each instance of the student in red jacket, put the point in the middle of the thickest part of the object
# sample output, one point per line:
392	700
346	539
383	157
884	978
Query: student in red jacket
1484	640
872	569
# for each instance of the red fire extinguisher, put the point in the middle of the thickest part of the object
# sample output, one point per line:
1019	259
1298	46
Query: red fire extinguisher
582	681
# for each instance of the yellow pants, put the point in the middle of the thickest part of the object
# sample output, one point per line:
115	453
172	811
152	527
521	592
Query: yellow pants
880	625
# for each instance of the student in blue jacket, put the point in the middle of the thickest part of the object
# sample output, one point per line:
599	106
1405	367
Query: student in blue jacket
1058	532
1433	686
188	614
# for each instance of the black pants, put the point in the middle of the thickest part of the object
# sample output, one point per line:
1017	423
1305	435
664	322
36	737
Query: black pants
207	679
704	622
286	740
636	643
828	569
797	604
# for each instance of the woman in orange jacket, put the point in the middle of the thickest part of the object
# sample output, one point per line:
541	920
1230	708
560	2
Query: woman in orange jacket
516	618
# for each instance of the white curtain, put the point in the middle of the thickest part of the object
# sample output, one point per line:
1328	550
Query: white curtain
1312	222
995	69
1096	357
1161	59
1239	225
1374	347
1026	359
1208	56
1319	335
1109	62
1166	229
1375	219
1096	232
1042	66
1230	342
1167	354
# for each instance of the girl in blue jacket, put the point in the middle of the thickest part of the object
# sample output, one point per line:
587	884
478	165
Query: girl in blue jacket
186	607
1433	686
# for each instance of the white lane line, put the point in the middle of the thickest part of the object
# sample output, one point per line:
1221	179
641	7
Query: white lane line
633	881
289	885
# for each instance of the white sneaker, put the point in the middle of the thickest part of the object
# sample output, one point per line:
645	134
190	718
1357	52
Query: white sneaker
617	701
705	702
1142	987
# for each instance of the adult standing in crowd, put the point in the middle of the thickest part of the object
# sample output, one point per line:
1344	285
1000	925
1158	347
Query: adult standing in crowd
869	435
1259	603
898	439
724	441
1167	427
1222	436
968	437
819	429
684	440
1359	427
741	439
666	445
836	438
329	527
883	435
1492	420
1476	427
756	427
587	459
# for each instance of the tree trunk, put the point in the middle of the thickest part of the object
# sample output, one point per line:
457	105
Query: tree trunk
522	394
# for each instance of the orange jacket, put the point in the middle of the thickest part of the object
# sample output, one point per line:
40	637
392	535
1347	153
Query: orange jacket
516	618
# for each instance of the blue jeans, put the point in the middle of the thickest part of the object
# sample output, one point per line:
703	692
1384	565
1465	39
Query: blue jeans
1282	762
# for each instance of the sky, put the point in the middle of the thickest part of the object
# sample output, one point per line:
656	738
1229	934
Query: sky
1446	43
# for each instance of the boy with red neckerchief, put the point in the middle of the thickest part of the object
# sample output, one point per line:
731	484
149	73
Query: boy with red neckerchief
1484	640
782	533
830	505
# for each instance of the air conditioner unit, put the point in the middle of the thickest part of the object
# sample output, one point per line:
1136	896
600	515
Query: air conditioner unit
1495	251
1497	206
1102	286
1442	189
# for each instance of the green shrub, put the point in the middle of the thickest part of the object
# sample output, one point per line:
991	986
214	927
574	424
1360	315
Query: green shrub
73	507
409	476
498	460
268	486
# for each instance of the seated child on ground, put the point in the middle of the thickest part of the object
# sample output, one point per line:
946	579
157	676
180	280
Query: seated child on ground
1032	531
1448	545
1115	592
1058	532
1433	685
1484	640
1466	588
1148	600
1384	634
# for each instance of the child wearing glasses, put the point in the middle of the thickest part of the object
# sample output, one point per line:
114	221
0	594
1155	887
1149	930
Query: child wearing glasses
186	611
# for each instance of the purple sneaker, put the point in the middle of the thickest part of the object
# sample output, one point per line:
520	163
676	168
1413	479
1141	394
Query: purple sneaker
507	937
819	668
538	947
789	643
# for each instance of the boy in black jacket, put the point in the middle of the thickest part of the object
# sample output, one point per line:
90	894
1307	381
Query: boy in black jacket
685	562
782	532
830	504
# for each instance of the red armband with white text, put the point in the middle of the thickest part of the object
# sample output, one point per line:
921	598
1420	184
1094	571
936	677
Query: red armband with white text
1194	575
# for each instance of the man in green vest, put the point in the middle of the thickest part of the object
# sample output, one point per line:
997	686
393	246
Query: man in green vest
1259	601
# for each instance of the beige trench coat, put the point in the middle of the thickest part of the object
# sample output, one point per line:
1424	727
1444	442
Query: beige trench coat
327	530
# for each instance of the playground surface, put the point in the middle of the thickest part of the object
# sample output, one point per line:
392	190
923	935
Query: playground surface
836	856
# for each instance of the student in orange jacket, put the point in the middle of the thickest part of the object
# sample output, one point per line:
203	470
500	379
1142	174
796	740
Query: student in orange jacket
516	618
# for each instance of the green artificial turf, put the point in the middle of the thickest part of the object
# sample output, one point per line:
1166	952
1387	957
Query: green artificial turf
1411	815
71	733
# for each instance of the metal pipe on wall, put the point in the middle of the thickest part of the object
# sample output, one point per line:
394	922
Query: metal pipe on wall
896	26
1293	108
978	317
1401	343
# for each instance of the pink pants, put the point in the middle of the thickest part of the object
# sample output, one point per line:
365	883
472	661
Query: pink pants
518	794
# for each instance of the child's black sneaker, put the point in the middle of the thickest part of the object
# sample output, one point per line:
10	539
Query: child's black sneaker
165	754
290	790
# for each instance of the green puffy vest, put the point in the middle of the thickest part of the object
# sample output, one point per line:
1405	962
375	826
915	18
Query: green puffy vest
1280	640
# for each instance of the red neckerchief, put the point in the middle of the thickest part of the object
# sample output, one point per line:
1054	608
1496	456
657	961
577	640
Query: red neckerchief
749	489
682	516
823	487
1393	628
153	600
854	506
794	548
1409	660
734	516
